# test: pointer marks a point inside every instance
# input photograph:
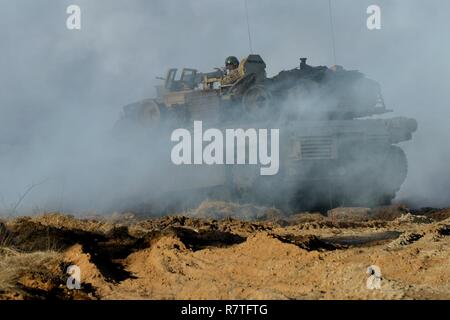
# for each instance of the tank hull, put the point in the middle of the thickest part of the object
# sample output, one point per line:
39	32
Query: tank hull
323	164
328	155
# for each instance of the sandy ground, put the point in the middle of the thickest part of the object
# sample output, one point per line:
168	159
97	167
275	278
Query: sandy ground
206	254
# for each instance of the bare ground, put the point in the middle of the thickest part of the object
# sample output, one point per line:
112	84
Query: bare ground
210	253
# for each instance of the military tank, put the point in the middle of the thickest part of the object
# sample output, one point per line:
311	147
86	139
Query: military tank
332	154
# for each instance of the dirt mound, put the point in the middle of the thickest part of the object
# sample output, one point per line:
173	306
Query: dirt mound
433	213
353	214
305	217
305	256
389	213
409	218
308	242
223	210
230	225
405	239
195	239
443	230
92	279
364	239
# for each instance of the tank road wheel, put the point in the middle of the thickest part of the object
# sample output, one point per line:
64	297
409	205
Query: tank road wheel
137	119
381	182
257	103
395	169
149	114
389	181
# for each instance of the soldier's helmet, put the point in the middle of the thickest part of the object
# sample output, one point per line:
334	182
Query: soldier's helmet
231	62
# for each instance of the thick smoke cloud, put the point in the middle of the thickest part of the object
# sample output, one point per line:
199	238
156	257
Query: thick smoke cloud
62	91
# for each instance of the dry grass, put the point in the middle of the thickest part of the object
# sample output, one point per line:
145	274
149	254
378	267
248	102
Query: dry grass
60	220
14	265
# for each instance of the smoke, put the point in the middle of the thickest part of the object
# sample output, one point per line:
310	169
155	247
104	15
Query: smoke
62	91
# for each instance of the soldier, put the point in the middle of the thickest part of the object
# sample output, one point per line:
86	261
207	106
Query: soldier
232	71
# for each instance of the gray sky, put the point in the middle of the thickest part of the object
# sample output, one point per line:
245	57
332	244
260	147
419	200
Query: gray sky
52	78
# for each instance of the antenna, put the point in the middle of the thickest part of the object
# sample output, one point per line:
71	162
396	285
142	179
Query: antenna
248	27
332	31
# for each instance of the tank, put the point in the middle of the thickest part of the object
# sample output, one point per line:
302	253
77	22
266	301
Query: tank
333	150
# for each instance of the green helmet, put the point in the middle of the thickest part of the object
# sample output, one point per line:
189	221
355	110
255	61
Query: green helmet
231	61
